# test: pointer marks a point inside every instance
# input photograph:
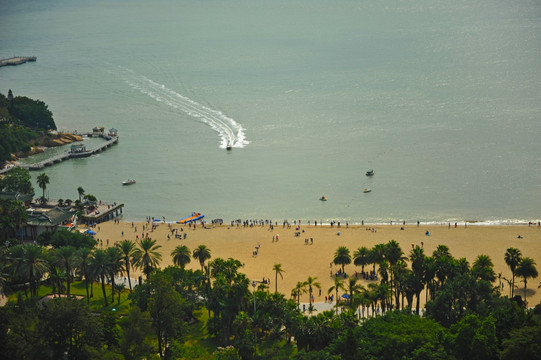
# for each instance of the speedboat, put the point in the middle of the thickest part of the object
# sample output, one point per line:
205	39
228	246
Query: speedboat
370	172
128	182
323	198
366	190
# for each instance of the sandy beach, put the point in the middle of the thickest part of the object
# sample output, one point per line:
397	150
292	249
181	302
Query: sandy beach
300	260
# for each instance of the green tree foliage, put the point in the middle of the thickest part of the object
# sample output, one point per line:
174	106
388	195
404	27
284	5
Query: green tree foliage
474	338
12	216
400	335
34	114
66	325
134	342
65	237
524	343
244	336
21	120
168	311
18	180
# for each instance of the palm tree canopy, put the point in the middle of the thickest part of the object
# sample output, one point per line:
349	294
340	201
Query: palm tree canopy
393	252
43	180
146	256
417	258
99	263
512	258
201	253
181	255
526	268
127	248
483	268
360	256
338	285
277	268
342	256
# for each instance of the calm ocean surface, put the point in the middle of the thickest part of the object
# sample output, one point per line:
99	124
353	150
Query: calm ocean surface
442	99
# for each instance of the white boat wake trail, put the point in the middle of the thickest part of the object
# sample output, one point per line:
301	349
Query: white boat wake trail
231	132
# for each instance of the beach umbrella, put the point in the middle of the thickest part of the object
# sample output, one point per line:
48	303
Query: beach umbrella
345	296
90	232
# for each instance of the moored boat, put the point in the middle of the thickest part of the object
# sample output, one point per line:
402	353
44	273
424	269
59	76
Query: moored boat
370	172
323	198
367	190
128	182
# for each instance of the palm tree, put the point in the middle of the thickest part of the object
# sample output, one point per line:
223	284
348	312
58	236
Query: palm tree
146	256
66	259
277	268
483	268
360	257
342	257
115	266
338	285
57	277
375	255
33	265
201	253
83	255
99	264
127	248
298	290
418	266
119	288
311	283
512	257
526	270
181	255
353	288
393	253
81	192
43	180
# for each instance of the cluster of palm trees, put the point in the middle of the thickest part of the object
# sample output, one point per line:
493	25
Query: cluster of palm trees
523	267
30	264
401	284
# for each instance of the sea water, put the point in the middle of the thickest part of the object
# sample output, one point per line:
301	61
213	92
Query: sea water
442	99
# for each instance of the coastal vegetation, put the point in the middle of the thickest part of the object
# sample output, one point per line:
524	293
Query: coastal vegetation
216	312
26	125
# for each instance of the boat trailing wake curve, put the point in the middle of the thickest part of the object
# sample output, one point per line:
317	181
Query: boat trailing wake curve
231	132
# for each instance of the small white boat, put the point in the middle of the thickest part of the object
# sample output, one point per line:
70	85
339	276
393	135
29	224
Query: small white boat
366	190
370	172
128	182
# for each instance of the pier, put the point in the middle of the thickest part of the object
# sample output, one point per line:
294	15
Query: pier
109	141
103	212
17	60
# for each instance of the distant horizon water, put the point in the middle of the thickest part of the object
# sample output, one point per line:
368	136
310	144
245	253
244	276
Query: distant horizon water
442	100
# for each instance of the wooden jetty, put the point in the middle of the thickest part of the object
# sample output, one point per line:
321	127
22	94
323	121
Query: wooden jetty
104	212
109	141
17	60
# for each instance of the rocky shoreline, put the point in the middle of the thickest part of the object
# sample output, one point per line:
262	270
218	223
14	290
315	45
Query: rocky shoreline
47	142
